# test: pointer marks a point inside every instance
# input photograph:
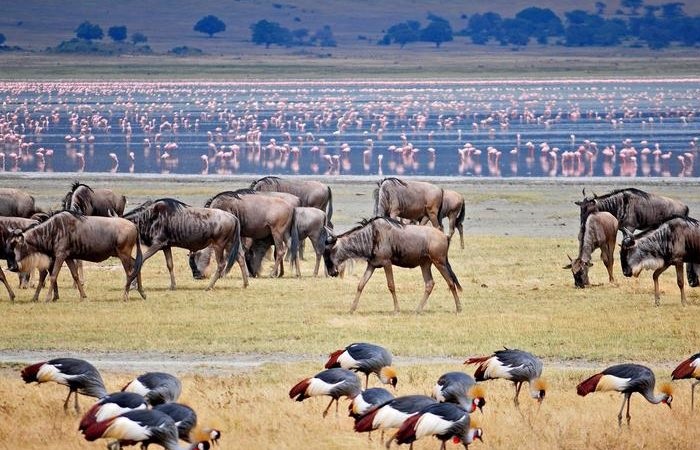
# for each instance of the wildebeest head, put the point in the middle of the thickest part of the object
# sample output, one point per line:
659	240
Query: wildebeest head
579	268
200	263
329	254
21	257
630	257
588	205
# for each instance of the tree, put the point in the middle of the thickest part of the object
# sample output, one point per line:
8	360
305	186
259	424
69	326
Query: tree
138	38
268	33
88	31
325	38
117	33
482	27
437	31
403	33
600	8
2	39
210	25
633	5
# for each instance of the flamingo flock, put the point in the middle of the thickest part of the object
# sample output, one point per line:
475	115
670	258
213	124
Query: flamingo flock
554	129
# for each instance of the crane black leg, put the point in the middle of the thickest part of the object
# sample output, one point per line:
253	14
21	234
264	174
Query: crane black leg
65	404
629	397
692	394
619	415
77	407
518	385
325	411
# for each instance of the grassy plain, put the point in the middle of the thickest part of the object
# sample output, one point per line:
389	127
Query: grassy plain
518	233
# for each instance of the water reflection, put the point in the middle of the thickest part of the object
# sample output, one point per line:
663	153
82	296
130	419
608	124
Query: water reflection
506	129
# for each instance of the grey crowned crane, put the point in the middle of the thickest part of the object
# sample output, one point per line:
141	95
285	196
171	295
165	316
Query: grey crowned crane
365	358
186	421
445	421
144	426
368	399
111	406
335	383
80	376
514	365
690	368
461	389
627	379
392	414
156	387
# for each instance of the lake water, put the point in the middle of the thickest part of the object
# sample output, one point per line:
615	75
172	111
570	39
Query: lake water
499	129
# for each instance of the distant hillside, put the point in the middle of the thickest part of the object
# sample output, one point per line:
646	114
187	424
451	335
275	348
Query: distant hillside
357	25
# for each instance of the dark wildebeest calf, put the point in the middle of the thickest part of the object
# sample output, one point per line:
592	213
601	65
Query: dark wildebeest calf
670	244
600	231
67	236
17	203
167	223
94	202
384	242
313	194
411	200
635	209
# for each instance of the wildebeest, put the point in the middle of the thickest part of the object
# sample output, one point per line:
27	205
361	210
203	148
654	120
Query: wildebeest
635	209
670	244
411	200
600	231
167	222
67	236
309	223
94	202
17	203
453	208
383	242
311	193
7	225
260	216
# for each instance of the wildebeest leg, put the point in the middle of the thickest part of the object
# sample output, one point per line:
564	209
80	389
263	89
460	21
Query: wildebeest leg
365	278
429	284
433	216
244	269
57	263
608	260
655	277
81	278
169	263
679	280
76	277
280	250
460	228
220	266
7	285
389	272
442	268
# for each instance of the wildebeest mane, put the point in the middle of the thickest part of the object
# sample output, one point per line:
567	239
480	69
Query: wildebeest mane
364	222
76	184
266	180
235	194
171	203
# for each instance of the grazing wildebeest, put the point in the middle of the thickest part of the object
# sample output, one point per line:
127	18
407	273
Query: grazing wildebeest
411	200
309	222
68	236
600	231
167	223
635	209
260	216
384	242
672	243
7	226
94	202
311	193
17	203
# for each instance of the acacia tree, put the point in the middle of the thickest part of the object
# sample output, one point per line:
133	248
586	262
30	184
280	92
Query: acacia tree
266	32
437	31
138	38
210	25
88	31
117	33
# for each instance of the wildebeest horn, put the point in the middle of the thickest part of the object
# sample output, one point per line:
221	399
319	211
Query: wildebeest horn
570	258
628	237
583	191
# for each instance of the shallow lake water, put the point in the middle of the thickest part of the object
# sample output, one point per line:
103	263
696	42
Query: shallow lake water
632	128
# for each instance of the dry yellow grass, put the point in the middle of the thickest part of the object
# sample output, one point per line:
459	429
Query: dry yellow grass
515	294
254	411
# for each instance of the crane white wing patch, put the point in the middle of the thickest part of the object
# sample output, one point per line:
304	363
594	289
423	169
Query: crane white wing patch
137	387
48	372
437	393
346	361
430	424
388	417
612	383
320	387
109	410
128	430
496	369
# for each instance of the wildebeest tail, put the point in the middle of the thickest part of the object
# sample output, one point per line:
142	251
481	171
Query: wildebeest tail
441	211
462	211
235	248
691	271
453	276
375	196
329	208
138	262
294	239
